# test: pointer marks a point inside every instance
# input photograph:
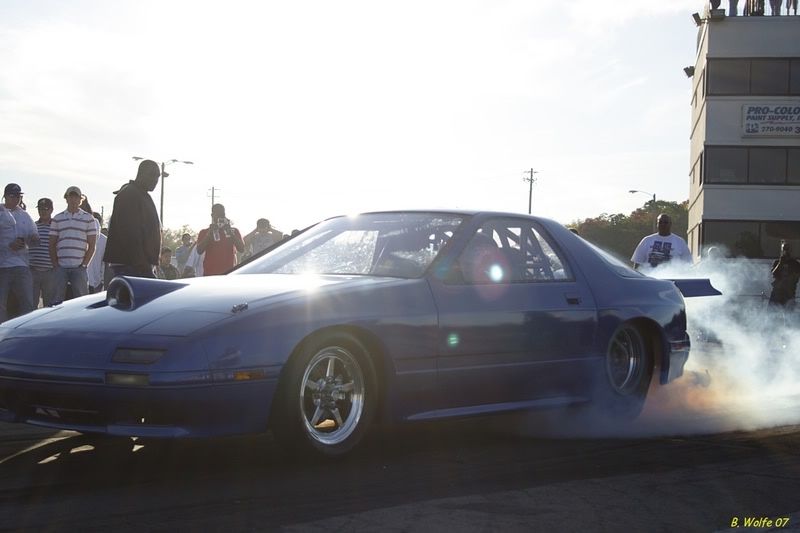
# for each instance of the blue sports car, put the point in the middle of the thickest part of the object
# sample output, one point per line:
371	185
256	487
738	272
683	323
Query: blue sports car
397	316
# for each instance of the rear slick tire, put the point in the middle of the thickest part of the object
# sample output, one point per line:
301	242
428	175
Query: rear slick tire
628	369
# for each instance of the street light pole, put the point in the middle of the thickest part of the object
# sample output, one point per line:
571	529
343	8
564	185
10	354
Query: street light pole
530	179
632	191
164	175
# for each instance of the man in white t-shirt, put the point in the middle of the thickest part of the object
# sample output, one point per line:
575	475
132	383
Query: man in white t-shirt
661	247
95	269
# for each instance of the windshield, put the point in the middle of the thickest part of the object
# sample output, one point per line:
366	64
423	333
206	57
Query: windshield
379	244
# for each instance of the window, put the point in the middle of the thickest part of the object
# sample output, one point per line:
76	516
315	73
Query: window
728	76
751	164
769	76
793	164
773	232
726	165
698	165
741	239
767	165
378	244
509	251
794	76
751	239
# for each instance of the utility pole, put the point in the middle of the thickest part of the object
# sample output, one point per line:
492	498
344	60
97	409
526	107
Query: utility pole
531	179
213	191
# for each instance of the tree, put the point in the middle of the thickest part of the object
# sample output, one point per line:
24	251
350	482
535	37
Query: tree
171	238
619	233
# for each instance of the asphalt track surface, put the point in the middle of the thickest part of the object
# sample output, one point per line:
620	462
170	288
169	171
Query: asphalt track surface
507	474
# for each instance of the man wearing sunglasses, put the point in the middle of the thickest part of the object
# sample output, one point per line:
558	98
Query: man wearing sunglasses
17	233
661	247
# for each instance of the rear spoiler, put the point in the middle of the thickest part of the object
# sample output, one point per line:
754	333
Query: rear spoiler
691	287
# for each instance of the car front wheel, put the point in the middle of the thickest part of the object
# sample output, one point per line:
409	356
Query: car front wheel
328	398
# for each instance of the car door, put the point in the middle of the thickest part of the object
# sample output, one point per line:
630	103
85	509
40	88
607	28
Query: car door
516	321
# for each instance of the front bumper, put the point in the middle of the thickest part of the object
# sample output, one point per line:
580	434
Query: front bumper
190	410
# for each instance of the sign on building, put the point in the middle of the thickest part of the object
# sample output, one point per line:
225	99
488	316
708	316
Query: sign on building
771	120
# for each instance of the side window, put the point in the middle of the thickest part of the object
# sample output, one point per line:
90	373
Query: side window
558	267
510	251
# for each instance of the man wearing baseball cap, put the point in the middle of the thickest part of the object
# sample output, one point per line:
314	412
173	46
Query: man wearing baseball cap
17	233
44	276
73	234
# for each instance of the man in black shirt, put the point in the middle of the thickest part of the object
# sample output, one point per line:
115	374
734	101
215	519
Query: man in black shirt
134	231
785	274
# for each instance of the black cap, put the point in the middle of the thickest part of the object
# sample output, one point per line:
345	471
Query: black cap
45	202
12	188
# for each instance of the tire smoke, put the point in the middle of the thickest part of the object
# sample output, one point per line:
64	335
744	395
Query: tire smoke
742	372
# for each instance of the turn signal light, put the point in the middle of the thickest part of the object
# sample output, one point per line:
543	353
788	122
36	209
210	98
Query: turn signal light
245	375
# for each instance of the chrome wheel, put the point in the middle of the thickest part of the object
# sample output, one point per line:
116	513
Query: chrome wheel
332	392
626	361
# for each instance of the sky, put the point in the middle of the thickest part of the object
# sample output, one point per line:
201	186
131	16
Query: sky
297	111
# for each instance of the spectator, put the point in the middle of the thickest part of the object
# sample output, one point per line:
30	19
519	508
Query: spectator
86	206
775	6
219	242
791	5
73	236
754	8
262	237
165	269
134	231
96	269
17	233
42	271
785	274
733	7
182	252
661	247
194	265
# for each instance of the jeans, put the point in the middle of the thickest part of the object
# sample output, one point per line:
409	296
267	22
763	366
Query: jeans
44	286
76	276
17	280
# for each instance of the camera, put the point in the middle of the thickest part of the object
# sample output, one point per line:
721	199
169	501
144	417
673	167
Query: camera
222	222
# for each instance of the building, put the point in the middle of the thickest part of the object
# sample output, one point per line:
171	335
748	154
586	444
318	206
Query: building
745	135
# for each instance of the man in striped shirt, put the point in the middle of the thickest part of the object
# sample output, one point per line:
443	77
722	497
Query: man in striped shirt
44	276
73	235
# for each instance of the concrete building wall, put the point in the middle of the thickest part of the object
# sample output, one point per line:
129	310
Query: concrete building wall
717	120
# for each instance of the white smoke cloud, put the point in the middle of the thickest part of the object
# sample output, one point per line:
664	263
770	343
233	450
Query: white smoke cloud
742	371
